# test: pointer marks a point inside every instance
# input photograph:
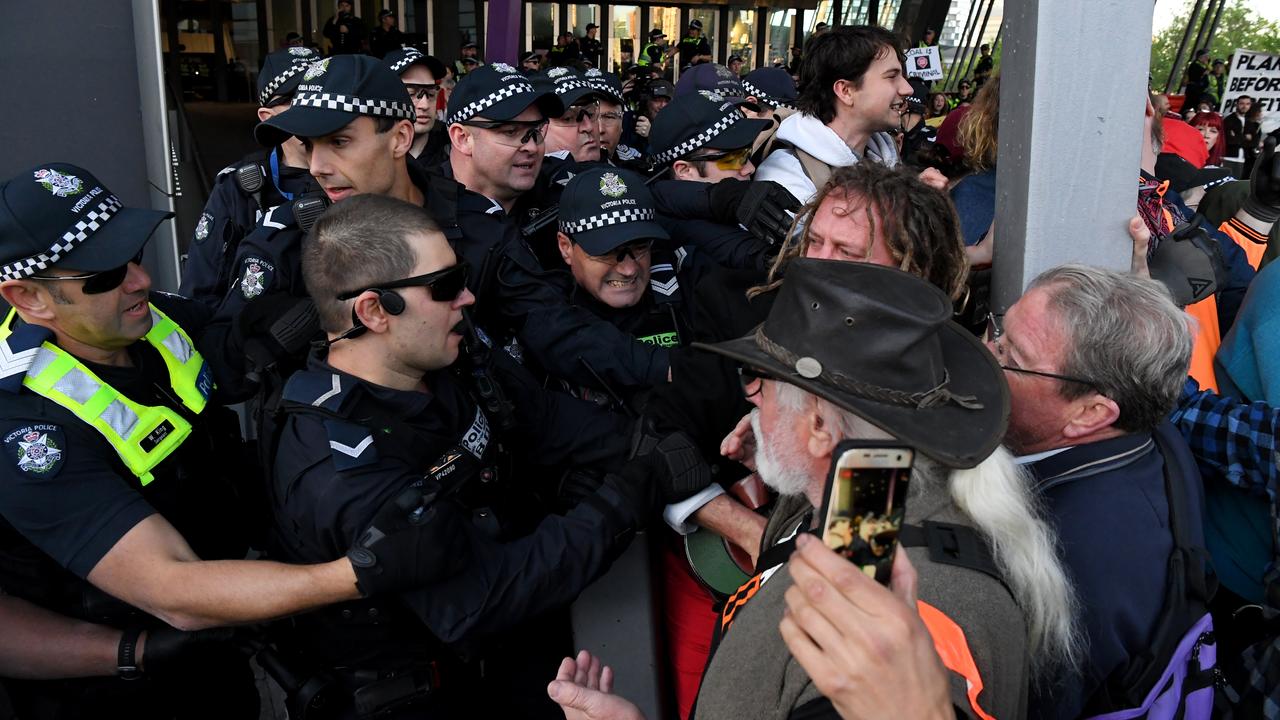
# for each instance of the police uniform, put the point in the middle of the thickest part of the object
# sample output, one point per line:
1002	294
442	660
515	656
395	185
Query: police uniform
692	47
592	49
91	450
244	191
436	150
515	294
347	446
653	54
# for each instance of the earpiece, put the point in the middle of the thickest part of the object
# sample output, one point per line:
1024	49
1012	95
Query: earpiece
390	300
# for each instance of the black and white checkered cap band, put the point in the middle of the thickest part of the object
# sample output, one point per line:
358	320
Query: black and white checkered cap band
763	96
409	59
566	86
617	217
347	103
269	90
78	233
477	107
700	139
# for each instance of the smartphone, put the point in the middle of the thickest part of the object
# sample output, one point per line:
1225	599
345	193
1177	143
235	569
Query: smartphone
864	502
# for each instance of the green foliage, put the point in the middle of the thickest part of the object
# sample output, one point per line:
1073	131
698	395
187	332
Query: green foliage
1240	27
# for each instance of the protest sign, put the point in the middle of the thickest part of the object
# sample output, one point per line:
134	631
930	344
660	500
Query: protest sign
1257	75
924	63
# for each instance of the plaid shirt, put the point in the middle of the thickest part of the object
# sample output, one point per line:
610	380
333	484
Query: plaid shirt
1231	439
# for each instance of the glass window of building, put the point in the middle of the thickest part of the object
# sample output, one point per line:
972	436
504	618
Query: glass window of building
742	35
582	15
823	13
710	17
540	25
780	24
624	36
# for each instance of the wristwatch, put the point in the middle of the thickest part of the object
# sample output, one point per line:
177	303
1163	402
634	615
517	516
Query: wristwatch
127	655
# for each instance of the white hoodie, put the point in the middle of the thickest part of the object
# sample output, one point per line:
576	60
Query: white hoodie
809	134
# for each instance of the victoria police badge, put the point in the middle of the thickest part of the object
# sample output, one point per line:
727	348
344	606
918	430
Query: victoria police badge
62	185
37	449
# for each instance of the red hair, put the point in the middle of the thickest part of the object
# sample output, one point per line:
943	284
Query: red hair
1214	120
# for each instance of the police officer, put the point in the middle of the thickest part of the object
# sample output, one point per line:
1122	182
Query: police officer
422	75
497	122
385	408
117	471
613	117
694	48
655	53
705	138
243	192
592	49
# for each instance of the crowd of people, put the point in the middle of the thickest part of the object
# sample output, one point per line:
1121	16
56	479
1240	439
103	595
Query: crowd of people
475	355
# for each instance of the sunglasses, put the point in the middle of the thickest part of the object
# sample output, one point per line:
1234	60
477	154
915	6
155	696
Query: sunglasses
638	251
444	285
421	92
507	132
732	160
99	282
577	113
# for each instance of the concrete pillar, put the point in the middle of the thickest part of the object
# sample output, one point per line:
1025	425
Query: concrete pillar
1073	87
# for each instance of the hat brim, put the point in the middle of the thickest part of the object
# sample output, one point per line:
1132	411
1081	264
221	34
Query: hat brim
301	122
954	436
740	134
602	240
576	95
116	242
510	108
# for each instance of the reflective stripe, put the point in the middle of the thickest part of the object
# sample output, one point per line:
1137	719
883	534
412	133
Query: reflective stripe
950	643
143	436
77	385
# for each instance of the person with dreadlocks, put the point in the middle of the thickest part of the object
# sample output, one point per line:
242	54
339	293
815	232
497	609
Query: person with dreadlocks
865	213
1206	269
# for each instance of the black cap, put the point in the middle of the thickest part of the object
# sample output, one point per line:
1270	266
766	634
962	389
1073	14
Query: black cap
499	92
386	13
281	71
58	214
704	119
695	24
332	93
738	58
592	26
469	61
605	208
656	33
915	102
405	58
772	86
531	56
469	46
710	76
569	84
820	25
605	84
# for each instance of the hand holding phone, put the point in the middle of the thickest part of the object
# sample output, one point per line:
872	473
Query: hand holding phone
864	503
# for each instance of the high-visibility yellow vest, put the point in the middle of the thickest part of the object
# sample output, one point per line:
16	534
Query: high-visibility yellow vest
143	435
644	55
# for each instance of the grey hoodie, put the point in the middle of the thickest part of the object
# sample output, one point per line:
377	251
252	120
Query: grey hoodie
809	134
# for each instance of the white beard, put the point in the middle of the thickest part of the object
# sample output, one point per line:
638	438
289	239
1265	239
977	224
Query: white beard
781	468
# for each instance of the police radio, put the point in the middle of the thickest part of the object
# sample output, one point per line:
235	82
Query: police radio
491	395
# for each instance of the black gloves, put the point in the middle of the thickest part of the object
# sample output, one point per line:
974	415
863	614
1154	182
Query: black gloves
762	207
412	541
1264	185
166	649
673	462
1189	262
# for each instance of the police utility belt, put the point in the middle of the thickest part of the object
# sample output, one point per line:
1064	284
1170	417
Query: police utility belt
142	435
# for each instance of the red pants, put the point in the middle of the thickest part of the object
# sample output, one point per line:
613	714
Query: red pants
690	620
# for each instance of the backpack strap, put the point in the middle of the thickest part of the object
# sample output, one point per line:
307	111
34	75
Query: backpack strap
956	545
817	171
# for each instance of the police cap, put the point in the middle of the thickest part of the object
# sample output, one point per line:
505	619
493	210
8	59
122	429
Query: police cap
332	93
59	214
499	92
605	208
704	119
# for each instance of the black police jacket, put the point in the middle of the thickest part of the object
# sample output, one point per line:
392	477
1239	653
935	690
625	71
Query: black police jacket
230	214
516	296
684	211
361	444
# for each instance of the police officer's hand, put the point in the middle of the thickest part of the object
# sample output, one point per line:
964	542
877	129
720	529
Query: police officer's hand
413	541
675	465
764	208
642	126
165	650
1264	185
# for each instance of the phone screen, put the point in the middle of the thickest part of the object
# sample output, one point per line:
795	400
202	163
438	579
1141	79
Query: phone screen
865	501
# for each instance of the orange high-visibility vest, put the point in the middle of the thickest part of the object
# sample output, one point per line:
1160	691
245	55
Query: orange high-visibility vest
953	648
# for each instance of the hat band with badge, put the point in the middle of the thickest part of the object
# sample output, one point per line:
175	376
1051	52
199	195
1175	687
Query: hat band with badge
269	90
700	139
78	233
411	56
763	96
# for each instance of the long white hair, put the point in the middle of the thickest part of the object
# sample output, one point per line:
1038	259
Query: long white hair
997	496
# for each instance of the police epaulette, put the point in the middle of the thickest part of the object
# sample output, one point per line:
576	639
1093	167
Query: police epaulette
322	390
350	445
18	352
